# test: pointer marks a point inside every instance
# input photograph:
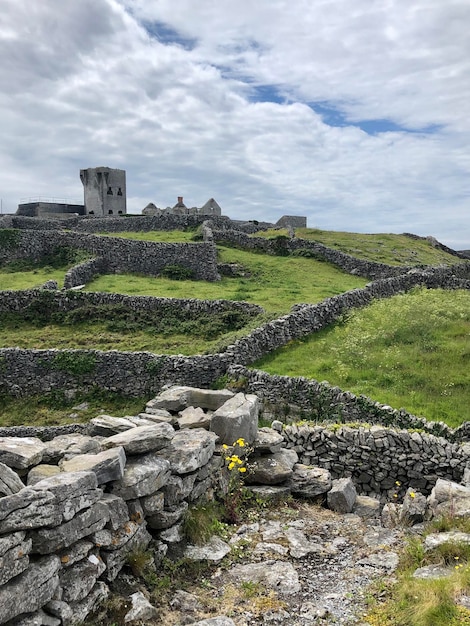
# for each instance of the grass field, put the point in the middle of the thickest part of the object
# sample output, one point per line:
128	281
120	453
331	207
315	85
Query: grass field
383	248
409	351
30	278
159	236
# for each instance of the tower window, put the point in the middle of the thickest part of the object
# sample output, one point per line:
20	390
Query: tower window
110	212
119	193
110	191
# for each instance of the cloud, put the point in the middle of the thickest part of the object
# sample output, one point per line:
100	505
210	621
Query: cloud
354	115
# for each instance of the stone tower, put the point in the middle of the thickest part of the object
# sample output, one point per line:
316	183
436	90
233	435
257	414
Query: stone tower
104	190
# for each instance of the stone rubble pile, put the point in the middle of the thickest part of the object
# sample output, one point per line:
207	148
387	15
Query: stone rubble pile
75	508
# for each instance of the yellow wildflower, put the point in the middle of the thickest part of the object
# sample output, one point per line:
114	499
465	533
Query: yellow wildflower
398	483
231	465
225	446
412	494
242	469
240	442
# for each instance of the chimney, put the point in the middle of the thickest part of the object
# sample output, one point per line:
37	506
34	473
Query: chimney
180	199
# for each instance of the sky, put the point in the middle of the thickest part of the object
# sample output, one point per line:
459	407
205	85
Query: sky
355	114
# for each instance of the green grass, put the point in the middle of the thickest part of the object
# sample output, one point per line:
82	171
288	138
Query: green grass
409	351
382	248
159	236
30	278
54	408
276	283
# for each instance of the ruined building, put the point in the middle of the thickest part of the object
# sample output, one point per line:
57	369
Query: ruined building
104	190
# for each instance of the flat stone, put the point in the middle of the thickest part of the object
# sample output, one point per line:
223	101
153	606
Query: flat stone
141	608
80	610
75	552
107	425
143	476
309	482
107	465
286	457
214	550
266	470
74	443
21	452
342	496
237	418
40	472
29	509
435	540
73	491
268	440
141	439
391	515
180	397
115	539
175	534
39	618
280	576
430	572
153	504
10	482
299	545
367	507
118	510
29	591
185	601
270	493
215	621
414	507
14	559
193	417
48	540
189	450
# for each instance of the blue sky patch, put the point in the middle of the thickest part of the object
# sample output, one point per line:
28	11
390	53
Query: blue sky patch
168	35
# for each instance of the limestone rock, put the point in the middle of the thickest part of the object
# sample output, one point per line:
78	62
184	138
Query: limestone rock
214	550
108	465
278	575
382	560
179	397
10	482
268	440
78	580
189	450
193	418
366	507
141	608
40	472
299	545
153	504
118	510
342	496
391	515
449	497
115	539
184	601
29	591
28	509
143	476
435	540
73	491
14	559
76	612
266	470
75	553
309	482
116	559
431	572
215	621
166	518
74	443
237	418
159	416
287	457
270	493
21	452
107	425
39	618
141	439
414	507
48	540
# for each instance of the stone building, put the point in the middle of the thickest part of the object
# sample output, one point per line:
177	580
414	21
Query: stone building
210	208
104	191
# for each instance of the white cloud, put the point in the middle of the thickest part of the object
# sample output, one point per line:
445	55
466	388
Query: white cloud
92	84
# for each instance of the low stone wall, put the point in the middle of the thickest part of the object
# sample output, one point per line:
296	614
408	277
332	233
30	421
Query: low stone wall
19	301
137	374
85	272
376	458
75	509
285	245
121	255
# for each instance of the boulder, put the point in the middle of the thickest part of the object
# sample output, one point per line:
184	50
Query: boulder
74	443
383	560
141	609
10	482
141	439
448	497
107	465
189	450
414	507
40	472
193	418
434	540
270	493
179	397
266	470
366	507
143	476
391	515
214	550
107	425
237	418
299	545
280	576
342	496
29	591
21	452
309	482
268	440
431	572
159	416
79	579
